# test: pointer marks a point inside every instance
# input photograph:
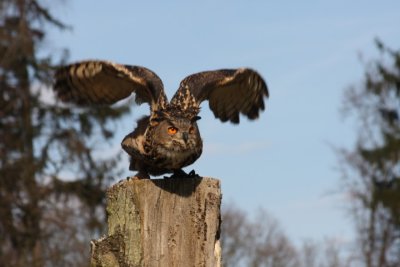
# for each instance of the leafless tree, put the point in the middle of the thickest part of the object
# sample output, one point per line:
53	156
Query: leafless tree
260	242
255	243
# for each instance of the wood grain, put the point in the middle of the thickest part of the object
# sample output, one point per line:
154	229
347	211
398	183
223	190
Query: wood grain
162	222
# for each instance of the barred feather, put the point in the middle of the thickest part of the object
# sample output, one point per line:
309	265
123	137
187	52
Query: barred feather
102	82
230	92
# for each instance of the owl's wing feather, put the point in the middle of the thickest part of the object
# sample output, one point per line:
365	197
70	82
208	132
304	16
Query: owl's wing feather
103	82
230	92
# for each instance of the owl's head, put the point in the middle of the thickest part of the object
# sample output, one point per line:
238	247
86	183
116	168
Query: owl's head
176	132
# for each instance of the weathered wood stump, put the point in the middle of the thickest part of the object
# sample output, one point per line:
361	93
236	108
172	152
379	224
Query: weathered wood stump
163	222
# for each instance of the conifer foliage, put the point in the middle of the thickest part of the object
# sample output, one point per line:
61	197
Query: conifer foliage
372	168
52	179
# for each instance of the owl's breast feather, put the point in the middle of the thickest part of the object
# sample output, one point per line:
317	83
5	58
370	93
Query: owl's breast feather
176	159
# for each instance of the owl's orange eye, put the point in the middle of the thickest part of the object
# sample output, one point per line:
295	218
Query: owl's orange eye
172	130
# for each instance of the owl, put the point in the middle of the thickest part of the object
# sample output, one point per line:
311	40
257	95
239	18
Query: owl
168	139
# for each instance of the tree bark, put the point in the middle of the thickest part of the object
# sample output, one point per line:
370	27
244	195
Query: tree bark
162	222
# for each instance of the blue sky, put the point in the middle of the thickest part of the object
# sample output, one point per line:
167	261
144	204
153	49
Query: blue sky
308	52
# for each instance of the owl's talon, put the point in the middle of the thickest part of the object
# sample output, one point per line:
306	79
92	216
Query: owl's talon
178	174
139	176
193	174
133	178
181	174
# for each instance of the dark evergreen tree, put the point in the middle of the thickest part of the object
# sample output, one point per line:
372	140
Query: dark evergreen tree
374	173
52	182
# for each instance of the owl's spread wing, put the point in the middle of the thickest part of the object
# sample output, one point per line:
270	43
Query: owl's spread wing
103	82
229	92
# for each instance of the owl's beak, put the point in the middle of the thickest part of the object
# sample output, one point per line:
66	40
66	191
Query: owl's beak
185	136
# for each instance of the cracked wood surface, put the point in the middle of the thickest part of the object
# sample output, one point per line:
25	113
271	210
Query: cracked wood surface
161	222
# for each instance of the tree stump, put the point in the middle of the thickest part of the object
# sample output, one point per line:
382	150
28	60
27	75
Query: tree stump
161	222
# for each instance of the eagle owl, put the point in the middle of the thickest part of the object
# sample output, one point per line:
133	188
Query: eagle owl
168	139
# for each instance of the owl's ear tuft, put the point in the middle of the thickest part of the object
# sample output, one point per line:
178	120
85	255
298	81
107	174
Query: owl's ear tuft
195	118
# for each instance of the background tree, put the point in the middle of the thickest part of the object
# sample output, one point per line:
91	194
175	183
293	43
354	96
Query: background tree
51	183
372	168
260	242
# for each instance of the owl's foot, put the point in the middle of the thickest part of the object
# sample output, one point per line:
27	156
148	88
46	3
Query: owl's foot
181	174
177	174
139	175
193	174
